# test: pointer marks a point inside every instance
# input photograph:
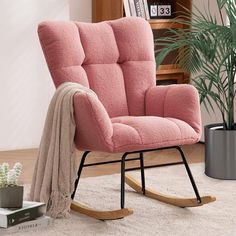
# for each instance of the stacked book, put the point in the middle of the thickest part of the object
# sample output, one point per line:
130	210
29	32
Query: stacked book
31	216
138	8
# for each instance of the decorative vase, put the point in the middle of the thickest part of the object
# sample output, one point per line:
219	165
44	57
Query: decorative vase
11	197
220	152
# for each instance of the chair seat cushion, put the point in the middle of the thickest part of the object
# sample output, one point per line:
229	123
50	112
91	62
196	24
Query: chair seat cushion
132	133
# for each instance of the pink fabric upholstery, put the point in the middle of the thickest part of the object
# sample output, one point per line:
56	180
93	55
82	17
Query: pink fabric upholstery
103	56
107	80
116	60
94	128
150	132
99	43
176	101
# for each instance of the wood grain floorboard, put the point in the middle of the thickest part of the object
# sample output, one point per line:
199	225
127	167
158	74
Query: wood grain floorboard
194	154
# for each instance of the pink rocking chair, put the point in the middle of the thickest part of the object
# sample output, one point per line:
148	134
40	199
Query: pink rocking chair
132	115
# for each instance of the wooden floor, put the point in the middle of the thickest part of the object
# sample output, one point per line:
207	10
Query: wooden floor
194	154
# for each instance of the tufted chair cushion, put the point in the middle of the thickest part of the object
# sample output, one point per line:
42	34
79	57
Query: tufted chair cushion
116	60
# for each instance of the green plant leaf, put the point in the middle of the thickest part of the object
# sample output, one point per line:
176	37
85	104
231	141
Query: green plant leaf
221	3
209	54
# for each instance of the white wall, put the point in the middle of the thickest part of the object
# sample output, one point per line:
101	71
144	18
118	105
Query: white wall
26	87
81	10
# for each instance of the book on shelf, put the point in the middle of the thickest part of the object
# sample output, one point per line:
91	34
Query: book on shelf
146	9
132	8
143	15
127	8
138	8
29	211
39	223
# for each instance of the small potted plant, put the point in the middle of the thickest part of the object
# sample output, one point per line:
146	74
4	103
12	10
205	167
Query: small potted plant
209	54
11	195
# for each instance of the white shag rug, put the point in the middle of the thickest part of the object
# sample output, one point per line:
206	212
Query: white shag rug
150	216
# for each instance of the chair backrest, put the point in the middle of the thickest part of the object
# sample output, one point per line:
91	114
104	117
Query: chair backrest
113	58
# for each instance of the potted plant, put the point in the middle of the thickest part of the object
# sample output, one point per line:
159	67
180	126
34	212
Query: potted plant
11	195
209	53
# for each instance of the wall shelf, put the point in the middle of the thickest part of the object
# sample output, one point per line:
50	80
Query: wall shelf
165	24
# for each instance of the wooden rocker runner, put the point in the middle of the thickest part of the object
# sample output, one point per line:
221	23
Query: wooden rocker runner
139	188
175	201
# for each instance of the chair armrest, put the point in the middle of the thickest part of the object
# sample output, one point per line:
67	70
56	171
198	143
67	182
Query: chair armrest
93	125
176	101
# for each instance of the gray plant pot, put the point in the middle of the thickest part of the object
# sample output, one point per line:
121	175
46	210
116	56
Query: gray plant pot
11	197
220	152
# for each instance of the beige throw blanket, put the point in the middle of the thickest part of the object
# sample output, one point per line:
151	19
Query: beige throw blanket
55	172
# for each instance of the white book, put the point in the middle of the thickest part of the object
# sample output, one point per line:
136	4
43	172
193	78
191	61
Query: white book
39	223
132	8
29	211
145	4
143	15
127	8
138	8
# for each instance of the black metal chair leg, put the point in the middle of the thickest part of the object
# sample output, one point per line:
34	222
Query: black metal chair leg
122	173
79	173
142	167
190	174
142	172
